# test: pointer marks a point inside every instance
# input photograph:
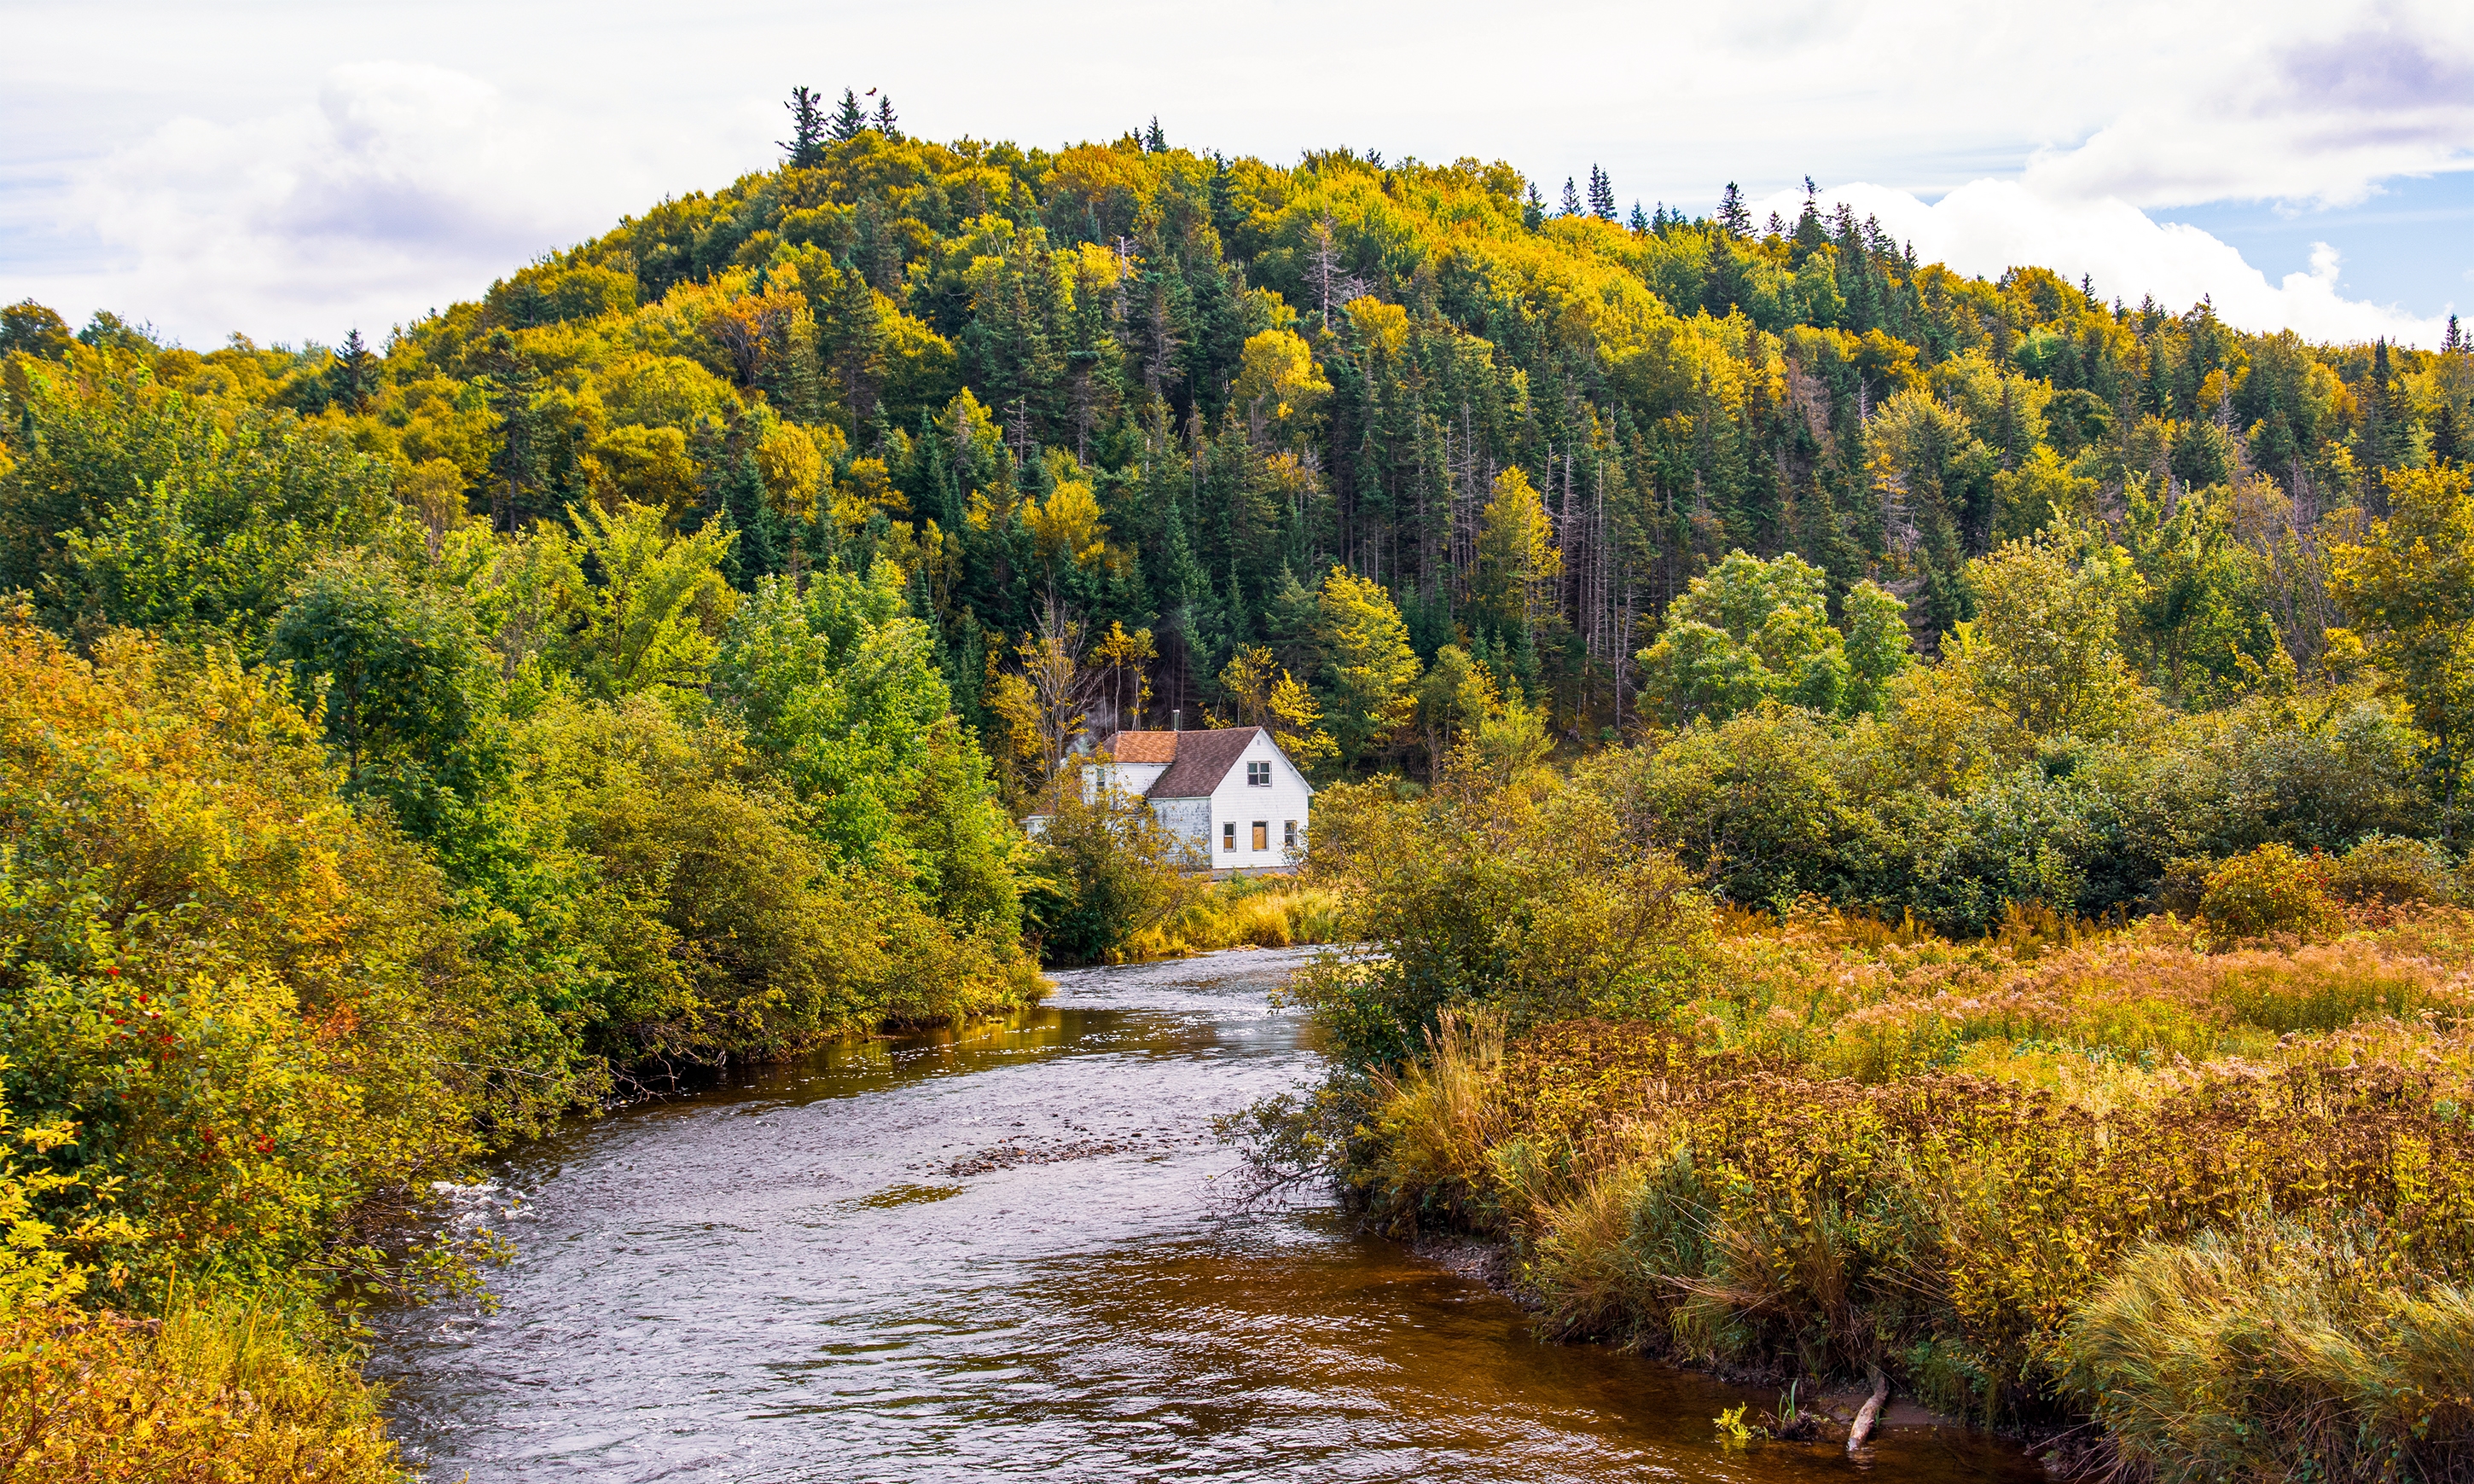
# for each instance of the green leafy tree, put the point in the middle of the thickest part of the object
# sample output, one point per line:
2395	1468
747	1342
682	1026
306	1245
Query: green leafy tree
2408	588
1752	631
653	615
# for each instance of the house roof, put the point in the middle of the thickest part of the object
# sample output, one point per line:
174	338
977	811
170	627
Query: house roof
1144	746
1202	759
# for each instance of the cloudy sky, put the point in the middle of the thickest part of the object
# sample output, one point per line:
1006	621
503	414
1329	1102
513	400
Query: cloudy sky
294	169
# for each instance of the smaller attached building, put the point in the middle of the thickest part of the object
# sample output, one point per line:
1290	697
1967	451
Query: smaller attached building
1231	793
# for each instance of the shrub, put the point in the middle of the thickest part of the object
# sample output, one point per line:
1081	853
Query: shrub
2274	889
1532	897
2392	872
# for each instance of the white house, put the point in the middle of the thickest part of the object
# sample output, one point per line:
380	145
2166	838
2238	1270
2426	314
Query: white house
1231	793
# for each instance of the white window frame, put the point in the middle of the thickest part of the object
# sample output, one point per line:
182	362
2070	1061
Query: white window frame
1258	775
1228	836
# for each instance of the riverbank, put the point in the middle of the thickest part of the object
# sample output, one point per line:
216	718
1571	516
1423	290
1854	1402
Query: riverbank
2214	1199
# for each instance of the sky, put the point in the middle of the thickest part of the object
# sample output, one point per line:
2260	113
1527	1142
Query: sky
290	171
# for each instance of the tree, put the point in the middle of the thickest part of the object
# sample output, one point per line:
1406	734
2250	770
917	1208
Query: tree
1154	141
1735	218
2045	648
1368	665
849	120
887	122
1750	632
1261	693
28	328
653	617
1601	195
1518	559
355	372
2408	588
806	142
1571	197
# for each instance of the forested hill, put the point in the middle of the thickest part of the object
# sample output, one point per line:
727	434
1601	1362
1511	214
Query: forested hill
1143	386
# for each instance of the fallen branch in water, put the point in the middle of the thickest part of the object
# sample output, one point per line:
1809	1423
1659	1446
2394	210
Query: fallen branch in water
1871	1410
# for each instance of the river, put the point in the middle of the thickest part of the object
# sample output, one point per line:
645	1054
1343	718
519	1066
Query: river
1004	1251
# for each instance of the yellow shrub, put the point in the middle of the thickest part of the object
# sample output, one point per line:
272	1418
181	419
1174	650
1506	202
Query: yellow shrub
2274	889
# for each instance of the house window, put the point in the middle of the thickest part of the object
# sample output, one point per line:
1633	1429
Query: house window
1229	835
1258	775
1262	834
1288	834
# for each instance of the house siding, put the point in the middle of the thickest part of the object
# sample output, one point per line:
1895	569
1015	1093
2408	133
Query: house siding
1235	802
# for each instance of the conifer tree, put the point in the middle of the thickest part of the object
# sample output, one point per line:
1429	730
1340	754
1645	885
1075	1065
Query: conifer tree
1735	218
1533	211
807	141
1639	218
1601	195
356	377
887	120
1571	197
1154	141
849	120
2455	340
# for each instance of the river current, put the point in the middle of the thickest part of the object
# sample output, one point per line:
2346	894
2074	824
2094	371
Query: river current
1006	1251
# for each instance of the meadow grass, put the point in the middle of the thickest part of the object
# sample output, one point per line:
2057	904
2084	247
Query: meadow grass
2215	1195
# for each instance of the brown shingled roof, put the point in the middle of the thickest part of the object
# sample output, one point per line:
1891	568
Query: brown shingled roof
1202	760
1144	746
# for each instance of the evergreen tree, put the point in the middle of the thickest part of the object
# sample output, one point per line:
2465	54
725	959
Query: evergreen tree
2455	340
1639	219
2447	444
1571	197
355	373
1533	211
887	120
1154	141
807	141
1735	218
849	120
1601	195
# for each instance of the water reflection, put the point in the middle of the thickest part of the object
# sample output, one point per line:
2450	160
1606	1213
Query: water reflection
995	1252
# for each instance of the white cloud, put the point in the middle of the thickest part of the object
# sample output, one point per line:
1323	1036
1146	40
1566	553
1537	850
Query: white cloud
397	179
1988	227
222	171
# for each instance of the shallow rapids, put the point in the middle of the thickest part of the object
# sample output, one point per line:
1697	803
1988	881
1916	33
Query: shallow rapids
1000	1253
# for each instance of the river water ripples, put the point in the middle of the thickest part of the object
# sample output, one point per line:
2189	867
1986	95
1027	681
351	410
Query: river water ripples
1002	1253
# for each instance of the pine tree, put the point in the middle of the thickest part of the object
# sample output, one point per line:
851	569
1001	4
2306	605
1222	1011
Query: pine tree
1639	218
887	120
807	141
849	120
355	377
2447	444
1571	197
1154	141
1735	218
1601	195
1533	211
2455	338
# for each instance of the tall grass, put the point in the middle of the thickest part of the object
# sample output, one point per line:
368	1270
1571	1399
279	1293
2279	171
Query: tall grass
1256	912
2116	1171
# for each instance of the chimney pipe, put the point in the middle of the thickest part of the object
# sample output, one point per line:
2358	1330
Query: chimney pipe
1176	720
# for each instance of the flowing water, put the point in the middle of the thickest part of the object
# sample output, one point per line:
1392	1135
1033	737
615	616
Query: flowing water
1003	1252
